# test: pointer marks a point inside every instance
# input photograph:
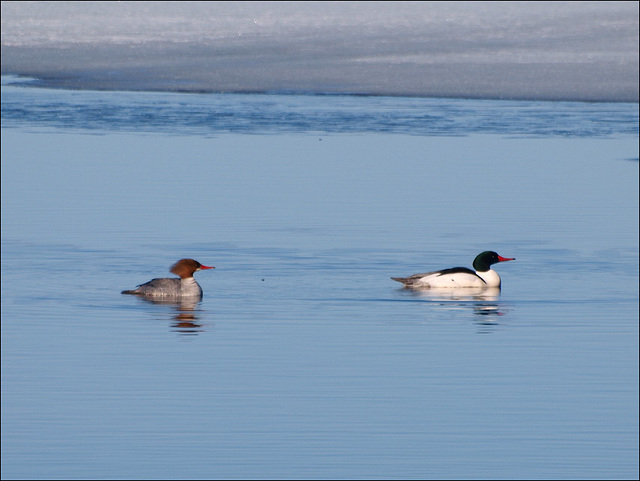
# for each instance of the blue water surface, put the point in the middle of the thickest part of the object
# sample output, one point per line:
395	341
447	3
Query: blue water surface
304	360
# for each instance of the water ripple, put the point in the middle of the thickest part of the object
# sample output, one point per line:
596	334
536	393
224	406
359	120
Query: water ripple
212	114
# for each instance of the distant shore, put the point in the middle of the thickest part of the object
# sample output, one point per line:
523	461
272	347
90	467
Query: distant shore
188	68
561	51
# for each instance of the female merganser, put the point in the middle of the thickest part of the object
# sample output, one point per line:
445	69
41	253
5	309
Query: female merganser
484	276
185	286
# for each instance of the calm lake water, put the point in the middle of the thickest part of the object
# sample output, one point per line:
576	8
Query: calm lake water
304	360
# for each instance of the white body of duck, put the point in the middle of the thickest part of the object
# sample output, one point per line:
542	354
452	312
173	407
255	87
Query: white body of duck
183	286
459	277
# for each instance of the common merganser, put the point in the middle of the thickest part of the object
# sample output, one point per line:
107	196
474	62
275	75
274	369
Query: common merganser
484	276
185	286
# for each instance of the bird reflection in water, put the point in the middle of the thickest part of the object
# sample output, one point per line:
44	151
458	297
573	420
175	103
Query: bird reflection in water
483	302
185	318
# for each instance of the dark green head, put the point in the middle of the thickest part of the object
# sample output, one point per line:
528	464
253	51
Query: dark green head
485	260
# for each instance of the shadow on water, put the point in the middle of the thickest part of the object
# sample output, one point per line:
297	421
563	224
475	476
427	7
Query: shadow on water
184	314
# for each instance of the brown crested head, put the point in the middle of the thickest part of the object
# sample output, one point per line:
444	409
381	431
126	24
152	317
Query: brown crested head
185	268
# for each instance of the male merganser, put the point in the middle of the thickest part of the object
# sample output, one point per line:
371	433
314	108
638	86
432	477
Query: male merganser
185	286
484	276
